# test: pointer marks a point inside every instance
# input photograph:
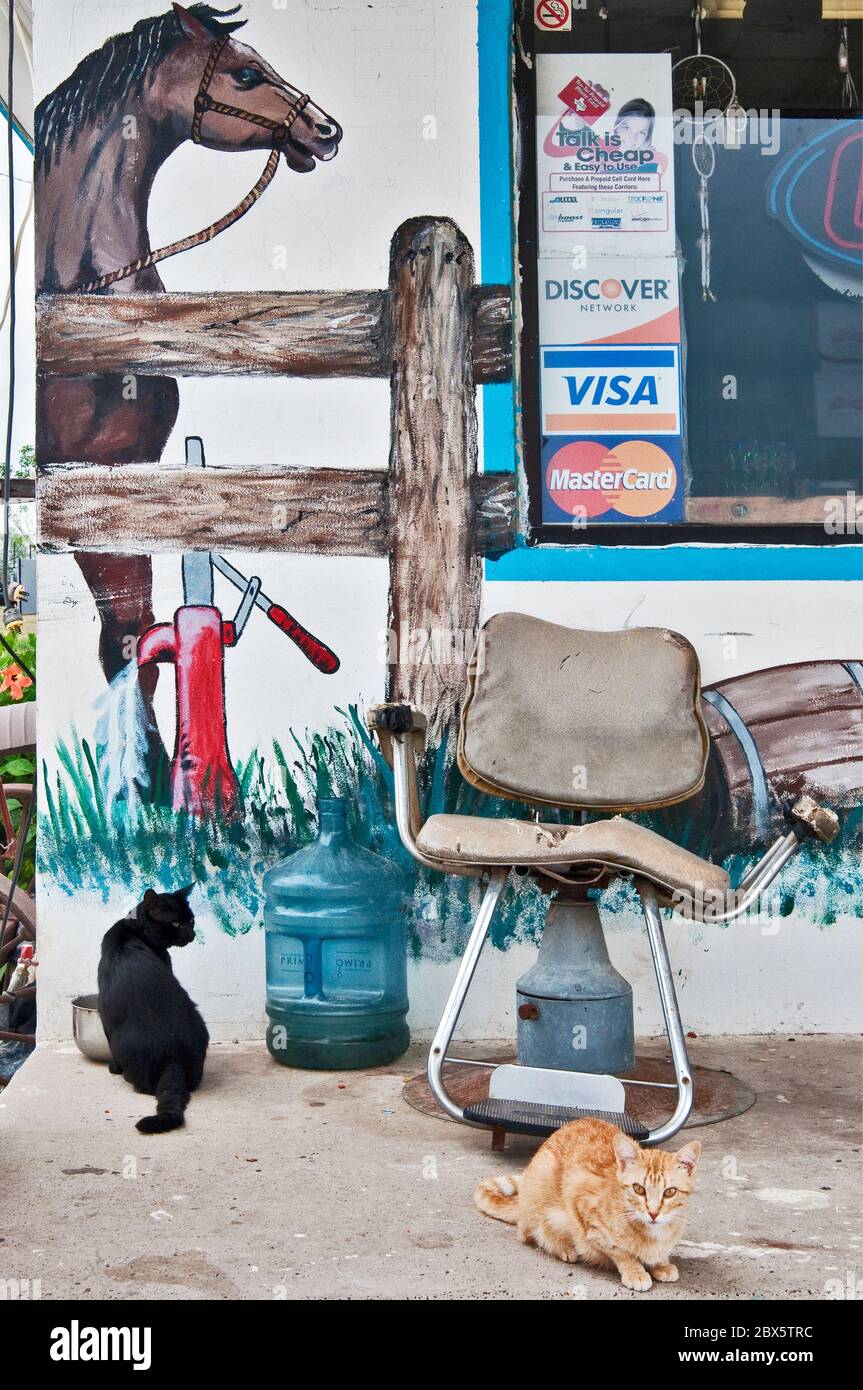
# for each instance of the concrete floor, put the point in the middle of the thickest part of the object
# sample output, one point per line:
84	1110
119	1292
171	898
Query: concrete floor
289	1184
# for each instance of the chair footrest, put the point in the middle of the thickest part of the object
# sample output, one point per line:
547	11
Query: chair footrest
528	1117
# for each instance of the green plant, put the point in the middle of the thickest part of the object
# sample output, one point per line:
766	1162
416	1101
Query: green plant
86	844
16	686
17	767
26	464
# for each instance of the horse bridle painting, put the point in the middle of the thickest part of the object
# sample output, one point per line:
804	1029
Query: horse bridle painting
205	103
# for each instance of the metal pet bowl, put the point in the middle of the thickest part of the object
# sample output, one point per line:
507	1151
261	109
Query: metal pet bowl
87	1028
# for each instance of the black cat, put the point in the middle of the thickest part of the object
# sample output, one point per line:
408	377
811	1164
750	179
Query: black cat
158	1039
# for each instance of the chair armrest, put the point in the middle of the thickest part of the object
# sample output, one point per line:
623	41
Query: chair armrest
400	724
807	819
813	819
397	718
401	731
389	721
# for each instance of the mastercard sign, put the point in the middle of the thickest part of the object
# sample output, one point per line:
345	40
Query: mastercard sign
634	479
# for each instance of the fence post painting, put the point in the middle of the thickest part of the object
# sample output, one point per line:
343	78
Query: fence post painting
435	569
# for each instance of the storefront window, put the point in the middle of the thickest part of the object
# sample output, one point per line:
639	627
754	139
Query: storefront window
690	238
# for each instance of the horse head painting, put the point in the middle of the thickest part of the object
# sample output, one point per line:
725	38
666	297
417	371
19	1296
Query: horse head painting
101	137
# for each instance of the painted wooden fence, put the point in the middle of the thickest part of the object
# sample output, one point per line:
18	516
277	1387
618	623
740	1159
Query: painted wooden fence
433	332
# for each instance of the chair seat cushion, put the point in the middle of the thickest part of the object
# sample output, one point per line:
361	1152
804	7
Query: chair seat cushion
615	843
561	716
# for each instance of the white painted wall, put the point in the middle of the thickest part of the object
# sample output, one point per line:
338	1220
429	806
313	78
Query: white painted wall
755	977
765	975
382	70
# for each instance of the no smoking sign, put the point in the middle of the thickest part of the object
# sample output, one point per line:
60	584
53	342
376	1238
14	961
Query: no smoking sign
553	15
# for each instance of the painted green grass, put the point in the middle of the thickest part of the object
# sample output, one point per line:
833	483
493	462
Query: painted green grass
86	845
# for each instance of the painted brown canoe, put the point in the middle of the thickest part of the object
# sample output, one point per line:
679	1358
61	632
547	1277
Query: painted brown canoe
777	733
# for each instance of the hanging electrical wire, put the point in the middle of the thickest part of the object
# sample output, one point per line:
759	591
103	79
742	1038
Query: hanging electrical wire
11	593
10	403
23	47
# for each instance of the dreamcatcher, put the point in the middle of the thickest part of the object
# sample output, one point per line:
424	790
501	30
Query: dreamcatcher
703	82
849	90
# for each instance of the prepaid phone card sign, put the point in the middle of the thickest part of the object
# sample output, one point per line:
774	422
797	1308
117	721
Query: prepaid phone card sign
605	153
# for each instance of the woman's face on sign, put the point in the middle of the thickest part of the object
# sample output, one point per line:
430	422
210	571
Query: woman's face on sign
634	132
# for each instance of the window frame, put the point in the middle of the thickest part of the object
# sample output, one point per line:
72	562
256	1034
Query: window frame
527	42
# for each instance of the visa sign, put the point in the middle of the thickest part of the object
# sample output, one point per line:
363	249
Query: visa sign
620	389
611	390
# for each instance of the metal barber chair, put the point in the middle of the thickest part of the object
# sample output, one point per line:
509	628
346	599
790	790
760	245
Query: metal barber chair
588	722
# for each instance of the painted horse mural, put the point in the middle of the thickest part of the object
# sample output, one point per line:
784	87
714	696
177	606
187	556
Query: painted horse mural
101	137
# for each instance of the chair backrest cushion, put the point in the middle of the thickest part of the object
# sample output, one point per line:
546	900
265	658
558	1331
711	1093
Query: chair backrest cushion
562	716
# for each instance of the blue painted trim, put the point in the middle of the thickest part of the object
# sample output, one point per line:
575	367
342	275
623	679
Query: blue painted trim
684	563
494	29
495	159
760	794
18	129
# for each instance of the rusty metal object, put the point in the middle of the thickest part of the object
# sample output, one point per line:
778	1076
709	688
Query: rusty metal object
528	1011
823	822
719	1095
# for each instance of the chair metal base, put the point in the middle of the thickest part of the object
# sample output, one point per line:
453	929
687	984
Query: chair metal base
499	1112
527	1117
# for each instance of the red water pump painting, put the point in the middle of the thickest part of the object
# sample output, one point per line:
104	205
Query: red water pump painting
203	781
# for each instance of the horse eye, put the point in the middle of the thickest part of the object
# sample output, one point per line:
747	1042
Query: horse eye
248	78
636	1187
670	1192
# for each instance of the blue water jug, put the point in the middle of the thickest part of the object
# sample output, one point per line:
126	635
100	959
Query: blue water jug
336	953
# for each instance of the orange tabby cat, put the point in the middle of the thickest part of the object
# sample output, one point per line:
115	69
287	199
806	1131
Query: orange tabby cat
593	1194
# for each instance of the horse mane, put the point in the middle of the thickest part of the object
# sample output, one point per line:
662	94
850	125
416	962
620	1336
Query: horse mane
112	74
